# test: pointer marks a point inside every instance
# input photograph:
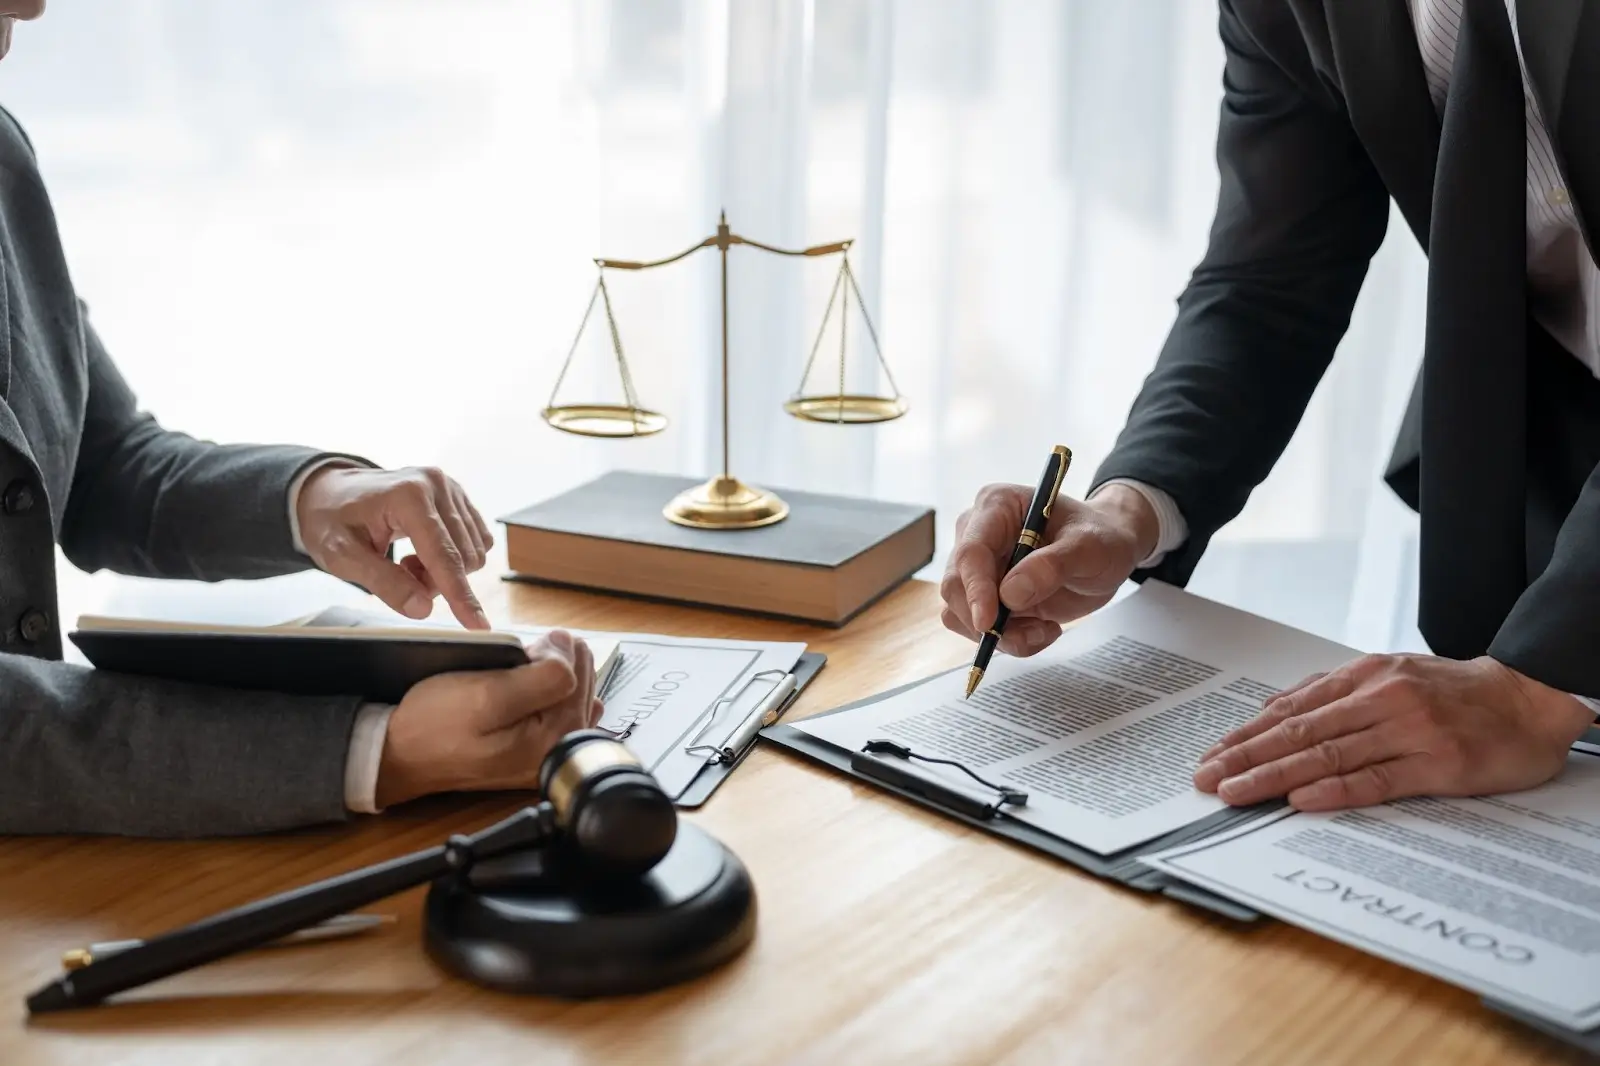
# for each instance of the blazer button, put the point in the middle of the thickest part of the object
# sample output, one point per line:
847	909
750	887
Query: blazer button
18	497
35	626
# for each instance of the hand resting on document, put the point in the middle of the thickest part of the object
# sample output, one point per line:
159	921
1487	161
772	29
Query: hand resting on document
1384	727
488	729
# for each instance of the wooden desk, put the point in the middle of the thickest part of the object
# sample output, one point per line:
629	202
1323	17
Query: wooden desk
886	935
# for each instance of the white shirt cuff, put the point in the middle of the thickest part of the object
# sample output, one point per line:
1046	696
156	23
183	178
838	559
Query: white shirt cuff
366	752
295	486
1171	529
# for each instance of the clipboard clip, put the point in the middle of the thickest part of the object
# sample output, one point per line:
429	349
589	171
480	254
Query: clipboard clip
765	713
943	795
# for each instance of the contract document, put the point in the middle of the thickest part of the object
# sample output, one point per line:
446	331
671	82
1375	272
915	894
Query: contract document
1500	895
673	695
1104	729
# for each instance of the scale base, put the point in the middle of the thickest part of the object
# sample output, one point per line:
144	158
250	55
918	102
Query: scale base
532	922
726	503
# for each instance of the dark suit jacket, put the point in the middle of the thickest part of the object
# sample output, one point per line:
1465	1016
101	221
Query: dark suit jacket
82	751
1325	117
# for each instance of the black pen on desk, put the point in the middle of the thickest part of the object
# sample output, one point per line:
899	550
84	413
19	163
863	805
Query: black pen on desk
339	926
1032	535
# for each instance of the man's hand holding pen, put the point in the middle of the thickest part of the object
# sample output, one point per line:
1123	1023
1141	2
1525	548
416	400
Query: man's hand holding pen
1088	550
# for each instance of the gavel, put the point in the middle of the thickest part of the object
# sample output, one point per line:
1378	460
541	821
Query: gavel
608	814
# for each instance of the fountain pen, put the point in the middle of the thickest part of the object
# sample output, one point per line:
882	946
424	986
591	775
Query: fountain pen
1032	535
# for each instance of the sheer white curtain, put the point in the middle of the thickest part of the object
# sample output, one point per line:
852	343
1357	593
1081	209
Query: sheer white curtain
370	225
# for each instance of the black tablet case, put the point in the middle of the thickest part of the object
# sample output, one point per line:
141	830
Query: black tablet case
381	669
1123	867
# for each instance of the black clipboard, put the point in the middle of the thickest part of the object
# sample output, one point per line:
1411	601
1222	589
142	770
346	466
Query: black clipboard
1122	867
1588	1041
713	774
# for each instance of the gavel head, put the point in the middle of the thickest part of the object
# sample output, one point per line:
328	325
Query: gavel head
610	809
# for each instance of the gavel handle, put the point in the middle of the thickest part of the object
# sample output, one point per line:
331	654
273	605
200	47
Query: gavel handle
258	923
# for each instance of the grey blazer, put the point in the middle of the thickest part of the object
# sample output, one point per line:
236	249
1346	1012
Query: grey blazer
82	751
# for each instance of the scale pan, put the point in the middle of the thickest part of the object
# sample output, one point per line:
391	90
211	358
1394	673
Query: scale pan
847	409
605	420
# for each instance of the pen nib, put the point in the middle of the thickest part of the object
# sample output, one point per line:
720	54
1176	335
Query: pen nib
973	677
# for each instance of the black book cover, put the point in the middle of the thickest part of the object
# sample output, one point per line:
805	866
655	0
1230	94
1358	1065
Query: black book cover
821	530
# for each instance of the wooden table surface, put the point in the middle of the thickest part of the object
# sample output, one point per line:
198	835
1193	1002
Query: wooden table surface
886	935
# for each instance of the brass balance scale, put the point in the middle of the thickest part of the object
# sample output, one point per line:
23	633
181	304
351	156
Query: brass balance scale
726	502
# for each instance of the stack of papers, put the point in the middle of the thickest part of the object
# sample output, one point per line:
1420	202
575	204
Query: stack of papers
1103	731
1497	894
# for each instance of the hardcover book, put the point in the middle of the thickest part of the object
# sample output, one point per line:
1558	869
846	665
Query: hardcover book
831	558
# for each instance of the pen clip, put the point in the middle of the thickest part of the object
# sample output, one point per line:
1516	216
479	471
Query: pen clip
1065	454
721	753
1006	793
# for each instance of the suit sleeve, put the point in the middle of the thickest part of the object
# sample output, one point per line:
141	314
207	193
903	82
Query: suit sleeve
1300	212
152	502
87	751
1553	629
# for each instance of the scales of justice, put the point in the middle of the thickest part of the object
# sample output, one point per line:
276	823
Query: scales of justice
725	502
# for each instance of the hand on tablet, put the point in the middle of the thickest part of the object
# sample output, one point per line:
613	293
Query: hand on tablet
349	516
489	729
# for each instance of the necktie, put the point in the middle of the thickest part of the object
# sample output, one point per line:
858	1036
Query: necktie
1473	497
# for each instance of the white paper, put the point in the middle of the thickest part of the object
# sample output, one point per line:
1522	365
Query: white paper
1103	730
1500	894
679	692
674	691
